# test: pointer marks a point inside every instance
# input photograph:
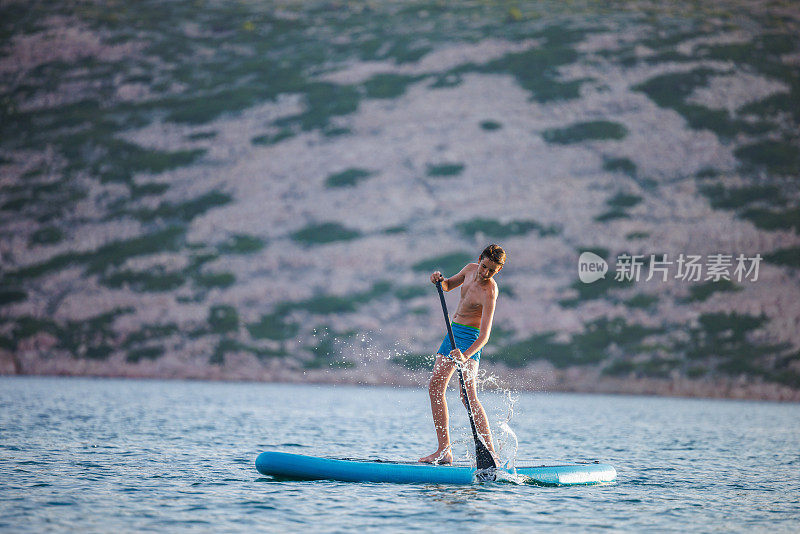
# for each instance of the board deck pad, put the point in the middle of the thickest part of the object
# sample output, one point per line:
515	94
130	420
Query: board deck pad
302	467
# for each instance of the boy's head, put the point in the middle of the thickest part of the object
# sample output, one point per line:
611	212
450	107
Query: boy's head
491	261
495	253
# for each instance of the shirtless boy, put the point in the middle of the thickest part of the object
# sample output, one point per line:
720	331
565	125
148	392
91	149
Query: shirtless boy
472	325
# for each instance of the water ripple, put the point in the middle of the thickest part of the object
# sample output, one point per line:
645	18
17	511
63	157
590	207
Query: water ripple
109	450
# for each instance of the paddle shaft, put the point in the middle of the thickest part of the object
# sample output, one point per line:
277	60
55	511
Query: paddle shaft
483	456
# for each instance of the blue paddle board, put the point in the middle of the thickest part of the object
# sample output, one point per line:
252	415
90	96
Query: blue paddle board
298	466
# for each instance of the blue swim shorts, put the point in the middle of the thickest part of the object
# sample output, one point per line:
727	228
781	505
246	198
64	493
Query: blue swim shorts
465	337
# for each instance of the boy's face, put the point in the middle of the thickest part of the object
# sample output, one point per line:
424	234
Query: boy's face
488	268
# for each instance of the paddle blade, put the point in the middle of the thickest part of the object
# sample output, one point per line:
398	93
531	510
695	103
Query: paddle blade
484	459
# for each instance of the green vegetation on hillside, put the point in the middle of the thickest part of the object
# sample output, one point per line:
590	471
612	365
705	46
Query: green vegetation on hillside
47	235
722	197
672	91
622	165
185	211
145	353
273	138
618	206
496	230
388	85
212	280
536	70
702	292
110	255
448	264
586	131
642	300
153	280
723	338
326	351
242	244
273	326
223	319
589	347
279	325
789	256
228	345
720	343
445	170
10	296
148	334
323	233
93	338
768	219
347	178
410	292
761	204
596	290
780	157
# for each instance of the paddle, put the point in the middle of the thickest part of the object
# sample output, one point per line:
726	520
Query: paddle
483	457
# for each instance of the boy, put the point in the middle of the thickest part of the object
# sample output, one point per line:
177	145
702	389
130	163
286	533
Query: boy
472	325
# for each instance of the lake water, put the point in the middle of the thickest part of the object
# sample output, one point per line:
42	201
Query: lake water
125	455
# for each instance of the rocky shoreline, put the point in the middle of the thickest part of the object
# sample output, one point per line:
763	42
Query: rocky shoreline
538	377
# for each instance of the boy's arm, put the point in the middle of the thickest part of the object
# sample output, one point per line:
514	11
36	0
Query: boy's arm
452	282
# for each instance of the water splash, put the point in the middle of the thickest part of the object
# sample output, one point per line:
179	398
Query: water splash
508	436
461	439
511	477
505	437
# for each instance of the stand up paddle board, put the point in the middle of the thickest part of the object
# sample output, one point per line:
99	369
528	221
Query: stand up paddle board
301	467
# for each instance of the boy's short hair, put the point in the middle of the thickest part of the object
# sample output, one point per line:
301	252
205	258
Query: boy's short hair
495	253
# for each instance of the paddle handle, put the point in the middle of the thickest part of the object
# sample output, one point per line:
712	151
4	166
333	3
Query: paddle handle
446	317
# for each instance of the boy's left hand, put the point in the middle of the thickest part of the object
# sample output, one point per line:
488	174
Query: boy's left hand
457	356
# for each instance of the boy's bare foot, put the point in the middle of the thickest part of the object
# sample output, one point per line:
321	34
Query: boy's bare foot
444	457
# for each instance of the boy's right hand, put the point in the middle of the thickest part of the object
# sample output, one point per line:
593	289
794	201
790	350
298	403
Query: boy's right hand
436	277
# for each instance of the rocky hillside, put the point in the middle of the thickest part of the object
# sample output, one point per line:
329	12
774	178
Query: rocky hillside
260	190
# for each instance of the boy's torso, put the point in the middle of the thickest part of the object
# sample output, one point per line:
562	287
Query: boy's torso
473	295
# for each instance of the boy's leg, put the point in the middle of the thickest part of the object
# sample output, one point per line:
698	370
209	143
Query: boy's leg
442	371
478	414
